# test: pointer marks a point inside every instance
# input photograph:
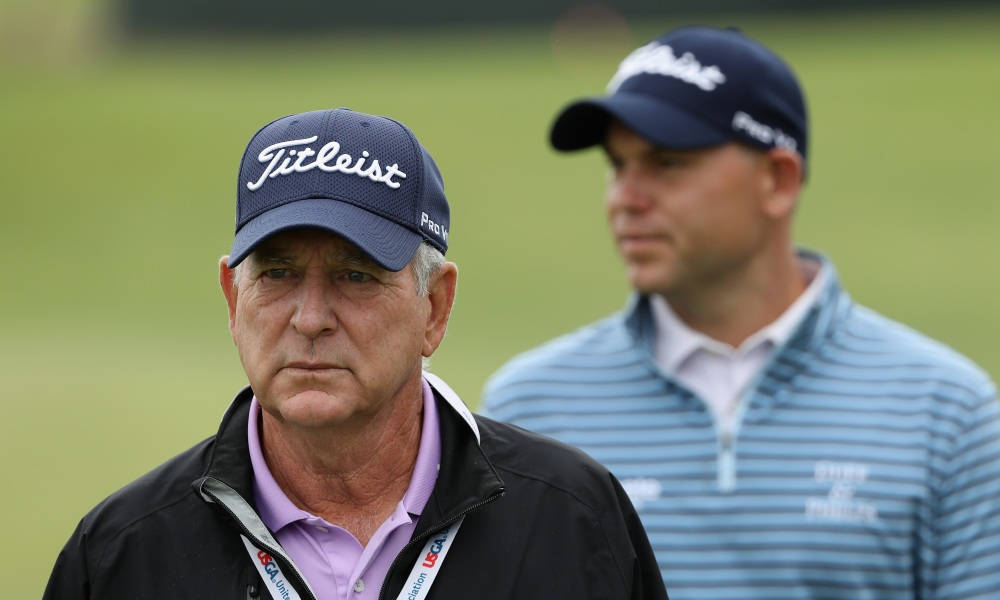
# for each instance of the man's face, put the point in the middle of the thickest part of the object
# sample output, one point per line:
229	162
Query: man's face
683	220
325	335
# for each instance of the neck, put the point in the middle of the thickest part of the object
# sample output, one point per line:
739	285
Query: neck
732	308
352	478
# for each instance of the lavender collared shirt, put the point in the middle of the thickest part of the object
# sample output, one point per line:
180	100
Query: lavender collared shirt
333	561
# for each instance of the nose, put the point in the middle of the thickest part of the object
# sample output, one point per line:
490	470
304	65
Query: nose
314	314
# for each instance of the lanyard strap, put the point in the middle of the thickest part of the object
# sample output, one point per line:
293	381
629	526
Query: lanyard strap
422	575
270	572
418	583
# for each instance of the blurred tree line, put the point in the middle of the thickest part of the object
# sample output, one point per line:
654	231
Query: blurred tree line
139	17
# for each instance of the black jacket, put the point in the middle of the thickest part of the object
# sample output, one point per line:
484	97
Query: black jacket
542	521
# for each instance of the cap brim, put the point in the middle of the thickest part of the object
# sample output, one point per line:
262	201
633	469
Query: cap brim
584	123
387	243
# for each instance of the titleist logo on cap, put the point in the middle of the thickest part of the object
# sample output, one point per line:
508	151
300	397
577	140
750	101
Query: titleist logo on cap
285	158
659	59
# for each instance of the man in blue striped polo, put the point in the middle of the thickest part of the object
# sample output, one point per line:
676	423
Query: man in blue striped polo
779	440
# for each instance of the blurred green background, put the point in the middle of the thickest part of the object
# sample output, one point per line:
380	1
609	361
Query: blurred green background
118	159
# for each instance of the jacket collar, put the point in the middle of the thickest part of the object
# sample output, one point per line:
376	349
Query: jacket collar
466	477
230	459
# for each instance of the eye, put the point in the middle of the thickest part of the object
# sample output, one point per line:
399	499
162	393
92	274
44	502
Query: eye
674	160
666	162
276	273
358	277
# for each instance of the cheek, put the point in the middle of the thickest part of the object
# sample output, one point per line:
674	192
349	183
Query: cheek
255	333
396	334
247	344
735	226
619	198
610	206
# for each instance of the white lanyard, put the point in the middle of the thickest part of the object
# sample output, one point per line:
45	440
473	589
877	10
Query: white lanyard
422	575
270	572
418	583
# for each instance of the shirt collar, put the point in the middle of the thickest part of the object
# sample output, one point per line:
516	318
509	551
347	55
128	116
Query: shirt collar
781	330
277	511
675	341
425	469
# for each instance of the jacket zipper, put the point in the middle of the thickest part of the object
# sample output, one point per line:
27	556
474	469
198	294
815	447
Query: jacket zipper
429	533
275	552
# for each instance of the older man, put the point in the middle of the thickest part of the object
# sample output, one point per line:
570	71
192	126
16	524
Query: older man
779	440
344	470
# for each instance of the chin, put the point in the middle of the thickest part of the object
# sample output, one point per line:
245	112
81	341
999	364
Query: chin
649	278
314	408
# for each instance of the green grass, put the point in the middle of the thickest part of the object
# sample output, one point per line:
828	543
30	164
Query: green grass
118	179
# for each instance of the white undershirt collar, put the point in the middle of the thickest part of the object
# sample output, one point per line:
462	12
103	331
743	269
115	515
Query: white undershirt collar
718	372
676	341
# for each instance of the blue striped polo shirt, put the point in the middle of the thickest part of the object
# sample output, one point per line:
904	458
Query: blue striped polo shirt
865	464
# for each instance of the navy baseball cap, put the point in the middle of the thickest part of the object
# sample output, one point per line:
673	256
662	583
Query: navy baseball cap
363	177
694	87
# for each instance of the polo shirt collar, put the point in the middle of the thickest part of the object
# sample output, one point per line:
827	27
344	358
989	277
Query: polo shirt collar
675	342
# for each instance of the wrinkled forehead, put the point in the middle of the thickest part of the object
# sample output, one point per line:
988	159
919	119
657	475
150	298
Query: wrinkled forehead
302	243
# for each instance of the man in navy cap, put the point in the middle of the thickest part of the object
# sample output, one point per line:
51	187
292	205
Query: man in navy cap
778	439
345	470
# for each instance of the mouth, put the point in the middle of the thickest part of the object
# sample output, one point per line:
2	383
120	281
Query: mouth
310	367
629	243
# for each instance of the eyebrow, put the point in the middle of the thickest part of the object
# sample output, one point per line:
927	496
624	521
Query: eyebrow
271	256
651	152
360	260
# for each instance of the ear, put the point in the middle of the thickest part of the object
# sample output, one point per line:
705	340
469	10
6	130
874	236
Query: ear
783	182
441	295
227	280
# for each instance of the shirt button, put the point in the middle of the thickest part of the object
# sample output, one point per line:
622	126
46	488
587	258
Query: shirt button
359	585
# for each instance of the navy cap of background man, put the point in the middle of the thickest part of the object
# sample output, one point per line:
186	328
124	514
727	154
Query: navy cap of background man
694	87
363	177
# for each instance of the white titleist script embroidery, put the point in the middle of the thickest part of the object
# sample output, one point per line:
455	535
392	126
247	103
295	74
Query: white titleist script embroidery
659	59
762	133
284	158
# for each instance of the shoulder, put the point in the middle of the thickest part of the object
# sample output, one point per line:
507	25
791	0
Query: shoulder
154	496
156	537
565	519
595	339
527	459
563	360
868	338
